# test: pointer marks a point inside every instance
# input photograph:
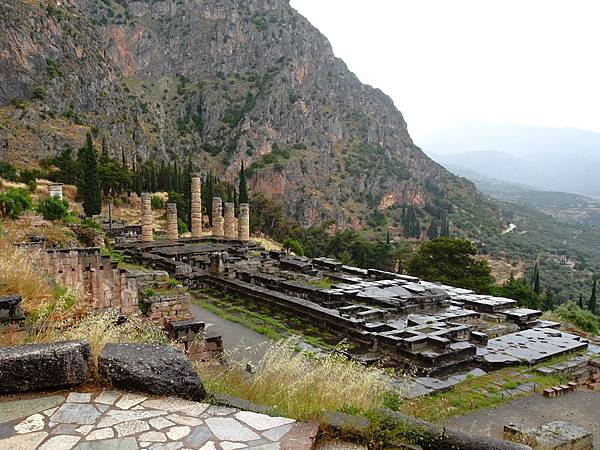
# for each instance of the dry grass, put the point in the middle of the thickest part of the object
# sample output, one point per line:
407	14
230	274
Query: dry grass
100	329
21	273
302	385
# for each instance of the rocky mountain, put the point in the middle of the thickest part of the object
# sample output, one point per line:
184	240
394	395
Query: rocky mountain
224	81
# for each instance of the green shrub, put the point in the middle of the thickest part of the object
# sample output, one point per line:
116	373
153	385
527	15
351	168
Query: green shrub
53	208
571	314
182	226
157	202
8	172
53	69
13	202
40	92
293	245
90	223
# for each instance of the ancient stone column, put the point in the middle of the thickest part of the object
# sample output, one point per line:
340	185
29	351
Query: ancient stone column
217	218
230	230
56	190
244	222
196	207
172	232
146	217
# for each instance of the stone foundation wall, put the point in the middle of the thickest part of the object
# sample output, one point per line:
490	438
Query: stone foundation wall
165	308
96	275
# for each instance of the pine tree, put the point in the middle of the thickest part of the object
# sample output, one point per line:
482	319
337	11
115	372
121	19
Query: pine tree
580	303
243	189
592	303
90	181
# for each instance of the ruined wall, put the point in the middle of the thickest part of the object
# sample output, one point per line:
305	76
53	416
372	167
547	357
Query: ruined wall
96	275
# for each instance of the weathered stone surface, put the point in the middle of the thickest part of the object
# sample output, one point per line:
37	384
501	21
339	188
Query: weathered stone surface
152	368
22	408
41	366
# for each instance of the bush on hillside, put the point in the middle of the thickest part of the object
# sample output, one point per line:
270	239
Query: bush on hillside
157	202
13	202
294	246
53	208
571	314
8	172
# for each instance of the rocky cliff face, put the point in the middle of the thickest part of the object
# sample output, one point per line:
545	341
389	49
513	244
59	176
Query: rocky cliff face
225	81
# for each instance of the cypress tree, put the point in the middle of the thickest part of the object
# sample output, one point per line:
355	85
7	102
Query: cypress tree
536	282
548	300
243	189
592	302
580	302
534	273
90	181
432	232
445	225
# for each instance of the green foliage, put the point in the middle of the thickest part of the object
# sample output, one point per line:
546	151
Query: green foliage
452	262
8	172
40	92
89	186
18	103
243	186
592	304
157	202
259	22
570	313
13	202
518	289
53	69
53	208
72	115
410	222
90	223
181	226
29	176
293	245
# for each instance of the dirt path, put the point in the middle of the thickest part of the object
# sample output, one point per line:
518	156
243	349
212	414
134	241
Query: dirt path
240	342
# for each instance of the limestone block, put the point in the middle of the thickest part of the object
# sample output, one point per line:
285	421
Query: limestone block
152	368
42	366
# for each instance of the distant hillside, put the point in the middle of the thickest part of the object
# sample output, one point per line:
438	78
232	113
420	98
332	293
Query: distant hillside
557	159
572	208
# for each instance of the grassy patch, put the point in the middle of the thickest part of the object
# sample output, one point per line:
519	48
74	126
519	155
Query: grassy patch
262	319
301	385
474	394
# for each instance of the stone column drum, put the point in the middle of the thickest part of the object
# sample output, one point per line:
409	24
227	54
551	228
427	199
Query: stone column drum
229	218
172	231
56	190
146	217
196	207
217	218
244	222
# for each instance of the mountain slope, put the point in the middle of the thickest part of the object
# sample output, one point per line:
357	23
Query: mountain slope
558	159
222	81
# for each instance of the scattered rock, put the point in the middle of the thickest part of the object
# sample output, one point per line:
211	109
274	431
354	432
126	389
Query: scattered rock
42	366
153	368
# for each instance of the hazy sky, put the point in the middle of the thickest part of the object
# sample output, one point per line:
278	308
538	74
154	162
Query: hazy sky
523	61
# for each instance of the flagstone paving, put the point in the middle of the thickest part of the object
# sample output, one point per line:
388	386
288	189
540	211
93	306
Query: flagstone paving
113	420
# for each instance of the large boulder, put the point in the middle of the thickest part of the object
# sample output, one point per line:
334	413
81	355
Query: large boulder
152	368
42	366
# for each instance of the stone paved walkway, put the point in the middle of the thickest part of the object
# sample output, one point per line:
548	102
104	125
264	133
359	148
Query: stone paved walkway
114	420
